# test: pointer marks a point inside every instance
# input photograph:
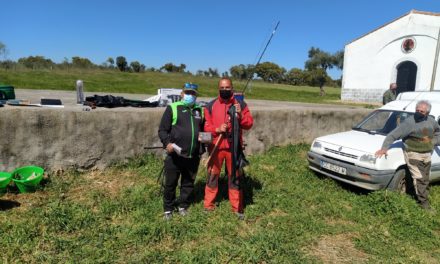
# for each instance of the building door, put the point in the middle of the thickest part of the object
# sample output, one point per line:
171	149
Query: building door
406	77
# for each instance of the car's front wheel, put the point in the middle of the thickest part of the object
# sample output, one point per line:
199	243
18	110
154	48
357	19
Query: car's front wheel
400	181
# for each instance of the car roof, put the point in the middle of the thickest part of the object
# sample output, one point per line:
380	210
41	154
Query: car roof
407	101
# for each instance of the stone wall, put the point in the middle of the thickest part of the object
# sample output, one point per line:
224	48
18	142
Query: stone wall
74	139
362	95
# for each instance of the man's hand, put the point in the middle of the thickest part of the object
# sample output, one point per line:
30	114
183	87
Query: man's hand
170	148
222	129
237	108
381	152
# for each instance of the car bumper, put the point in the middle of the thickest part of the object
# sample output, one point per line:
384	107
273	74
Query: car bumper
357	176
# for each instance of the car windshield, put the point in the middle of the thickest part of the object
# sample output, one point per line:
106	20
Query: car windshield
382	121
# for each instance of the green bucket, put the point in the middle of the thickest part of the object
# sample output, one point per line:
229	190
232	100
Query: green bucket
5	178
27	178
7	92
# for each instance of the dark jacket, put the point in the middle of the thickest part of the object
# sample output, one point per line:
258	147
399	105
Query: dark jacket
181	125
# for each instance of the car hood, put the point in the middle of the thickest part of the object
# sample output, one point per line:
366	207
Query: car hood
355	140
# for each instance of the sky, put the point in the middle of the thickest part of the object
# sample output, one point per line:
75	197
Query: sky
198	33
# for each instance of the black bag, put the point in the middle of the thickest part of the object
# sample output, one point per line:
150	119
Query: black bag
111	101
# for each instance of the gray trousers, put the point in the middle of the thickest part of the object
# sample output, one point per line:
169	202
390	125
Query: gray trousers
419	165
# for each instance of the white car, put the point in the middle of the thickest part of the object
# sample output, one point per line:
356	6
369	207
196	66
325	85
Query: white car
349	156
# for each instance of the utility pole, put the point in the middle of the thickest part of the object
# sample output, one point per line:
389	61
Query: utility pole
434	70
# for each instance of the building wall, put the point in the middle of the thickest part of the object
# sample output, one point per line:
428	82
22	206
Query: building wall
370	63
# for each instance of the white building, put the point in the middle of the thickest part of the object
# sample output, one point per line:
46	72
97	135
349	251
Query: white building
404	51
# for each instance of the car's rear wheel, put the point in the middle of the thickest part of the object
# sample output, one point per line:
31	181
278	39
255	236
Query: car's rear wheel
399	181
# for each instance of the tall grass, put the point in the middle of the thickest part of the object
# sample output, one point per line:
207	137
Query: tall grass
148	82
292	216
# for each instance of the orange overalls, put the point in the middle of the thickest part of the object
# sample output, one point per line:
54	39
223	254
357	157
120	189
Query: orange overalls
216	113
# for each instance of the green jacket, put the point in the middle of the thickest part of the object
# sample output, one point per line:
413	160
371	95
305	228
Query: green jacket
389	96
417	136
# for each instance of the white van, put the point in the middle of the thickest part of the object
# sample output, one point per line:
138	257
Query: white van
349	156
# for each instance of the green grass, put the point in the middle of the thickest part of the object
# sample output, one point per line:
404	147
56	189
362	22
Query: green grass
148	82
292	216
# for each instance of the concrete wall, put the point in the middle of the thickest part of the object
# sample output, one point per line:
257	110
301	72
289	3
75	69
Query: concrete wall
59	139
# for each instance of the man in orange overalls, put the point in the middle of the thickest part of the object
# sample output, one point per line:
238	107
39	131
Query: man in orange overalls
217	121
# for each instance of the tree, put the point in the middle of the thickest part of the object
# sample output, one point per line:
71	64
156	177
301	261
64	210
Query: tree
121	63
136	66
36	62
270	72
241	71
317	77
111	62
84	63
319	59
338	59
3	50
181	68
7	64
295	77
213	72
238	71
199	73
170	67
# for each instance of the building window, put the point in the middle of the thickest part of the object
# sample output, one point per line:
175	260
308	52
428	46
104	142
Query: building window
408	45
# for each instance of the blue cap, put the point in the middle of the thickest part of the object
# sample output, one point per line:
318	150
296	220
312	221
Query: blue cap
191	87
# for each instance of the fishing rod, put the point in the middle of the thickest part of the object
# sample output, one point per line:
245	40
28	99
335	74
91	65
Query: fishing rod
154	147
261	56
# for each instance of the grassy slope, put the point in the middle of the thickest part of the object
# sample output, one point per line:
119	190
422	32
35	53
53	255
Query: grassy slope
149	82
292	216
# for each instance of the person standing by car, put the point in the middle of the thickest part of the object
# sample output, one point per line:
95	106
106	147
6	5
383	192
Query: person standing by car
178	131
390	94
419	134
218	122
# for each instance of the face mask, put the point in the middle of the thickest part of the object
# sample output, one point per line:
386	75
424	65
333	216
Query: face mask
225	94
189	99
419	117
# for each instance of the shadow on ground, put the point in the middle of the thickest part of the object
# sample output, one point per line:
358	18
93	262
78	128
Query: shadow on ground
249	185
8	205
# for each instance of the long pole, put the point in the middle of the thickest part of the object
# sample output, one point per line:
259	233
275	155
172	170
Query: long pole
261	56
434	70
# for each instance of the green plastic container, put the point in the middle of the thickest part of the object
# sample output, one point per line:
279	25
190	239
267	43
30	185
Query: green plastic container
27	178
7	92
5	178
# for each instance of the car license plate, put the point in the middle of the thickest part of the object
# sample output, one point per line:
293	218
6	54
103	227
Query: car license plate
333	167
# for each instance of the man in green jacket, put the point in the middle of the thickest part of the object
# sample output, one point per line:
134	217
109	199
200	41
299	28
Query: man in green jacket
419	134
179	131
390	94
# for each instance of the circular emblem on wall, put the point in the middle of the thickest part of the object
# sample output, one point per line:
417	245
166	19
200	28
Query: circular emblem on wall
408	45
